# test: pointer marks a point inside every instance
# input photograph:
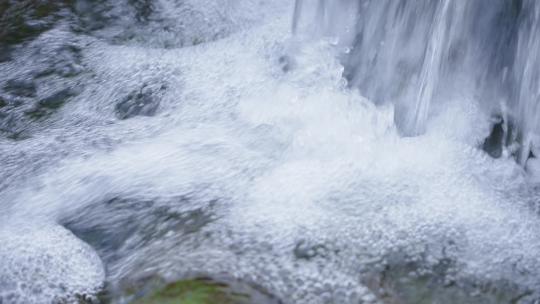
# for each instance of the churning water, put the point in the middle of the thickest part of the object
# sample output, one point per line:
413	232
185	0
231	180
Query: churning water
373	152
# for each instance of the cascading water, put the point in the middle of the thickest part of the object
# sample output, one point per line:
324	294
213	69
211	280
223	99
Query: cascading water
338	160
417	53
527	80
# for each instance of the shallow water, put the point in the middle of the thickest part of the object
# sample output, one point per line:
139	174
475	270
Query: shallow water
245	151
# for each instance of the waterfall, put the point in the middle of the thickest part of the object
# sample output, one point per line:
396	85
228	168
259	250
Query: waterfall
423	55
527	75
416	116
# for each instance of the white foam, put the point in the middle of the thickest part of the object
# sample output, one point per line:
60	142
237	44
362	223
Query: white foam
45	263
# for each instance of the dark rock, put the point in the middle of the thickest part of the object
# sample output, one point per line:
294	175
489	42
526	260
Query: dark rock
505	134
144	102
57	99
3	102
494	143
24	88
24	20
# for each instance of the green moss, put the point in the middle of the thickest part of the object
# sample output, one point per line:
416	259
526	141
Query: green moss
198	291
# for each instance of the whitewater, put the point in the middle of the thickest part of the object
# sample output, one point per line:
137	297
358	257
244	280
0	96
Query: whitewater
261	163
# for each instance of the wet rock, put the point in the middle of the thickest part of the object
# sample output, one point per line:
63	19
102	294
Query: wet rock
135	223
21	87
143	102
503	138
494	143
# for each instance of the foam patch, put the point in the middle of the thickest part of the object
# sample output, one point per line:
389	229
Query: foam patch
46	264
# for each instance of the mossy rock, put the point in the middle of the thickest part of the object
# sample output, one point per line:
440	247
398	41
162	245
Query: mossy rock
24	20
196	291
409	282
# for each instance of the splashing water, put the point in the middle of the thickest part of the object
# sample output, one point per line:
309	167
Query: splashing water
277	157
417	54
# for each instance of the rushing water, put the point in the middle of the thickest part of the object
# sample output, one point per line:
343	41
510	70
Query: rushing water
323	151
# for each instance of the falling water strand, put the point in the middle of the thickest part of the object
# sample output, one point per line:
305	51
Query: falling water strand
297	15
416	118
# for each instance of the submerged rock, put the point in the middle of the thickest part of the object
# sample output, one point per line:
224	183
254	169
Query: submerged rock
135	223
21	87
19	116
47	105
143	102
